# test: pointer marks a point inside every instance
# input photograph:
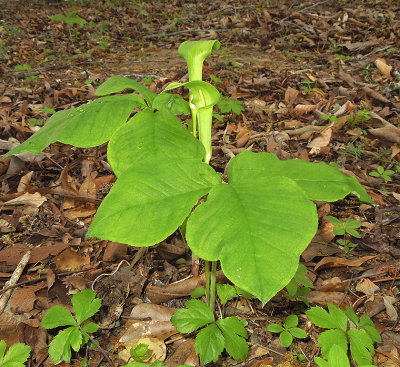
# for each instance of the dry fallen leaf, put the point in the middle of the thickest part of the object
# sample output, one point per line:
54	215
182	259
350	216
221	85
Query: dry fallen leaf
333	262
367	287
384	68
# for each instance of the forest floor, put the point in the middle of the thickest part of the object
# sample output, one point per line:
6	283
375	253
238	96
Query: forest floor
318	81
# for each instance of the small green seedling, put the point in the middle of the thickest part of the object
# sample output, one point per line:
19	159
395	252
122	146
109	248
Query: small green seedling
332	118
215	336
35	122
346	229
227	292
361	335
359	118
227	105
382	173
288	331
300	356
198	292
294	290
16	355
215	79
308	86
70	18
141	353
77	334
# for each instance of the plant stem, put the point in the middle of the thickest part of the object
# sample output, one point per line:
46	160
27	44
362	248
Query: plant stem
213	281
100	349
207	272
194	120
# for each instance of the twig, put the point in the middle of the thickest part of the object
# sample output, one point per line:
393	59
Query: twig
306	8
14	279
37	280
268	349
158	35
139	254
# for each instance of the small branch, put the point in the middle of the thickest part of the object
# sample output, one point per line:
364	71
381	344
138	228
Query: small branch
306	8
158	35
14	279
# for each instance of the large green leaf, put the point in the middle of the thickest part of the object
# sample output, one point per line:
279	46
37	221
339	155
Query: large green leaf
117	84
86	126
173	102
256	229
318	180
151	135
151	199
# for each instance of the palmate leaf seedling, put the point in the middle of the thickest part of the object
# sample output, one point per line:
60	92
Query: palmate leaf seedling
346	229
361	336
288	330
265	212
382	173
16	355
215	336
77	333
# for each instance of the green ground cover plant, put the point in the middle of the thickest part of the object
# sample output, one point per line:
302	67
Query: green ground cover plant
288	330
347	229
264	211
360	334
16	356
382	173
76	334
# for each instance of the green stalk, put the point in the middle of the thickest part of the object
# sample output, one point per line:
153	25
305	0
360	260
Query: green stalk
207	273
213	282
204	119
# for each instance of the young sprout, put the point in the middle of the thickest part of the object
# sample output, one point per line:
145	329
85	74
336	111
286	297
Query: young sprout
382	173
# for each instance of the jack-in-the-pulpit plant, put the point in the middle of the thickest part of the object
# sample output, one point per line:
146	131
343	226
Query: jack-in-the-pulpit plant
257	224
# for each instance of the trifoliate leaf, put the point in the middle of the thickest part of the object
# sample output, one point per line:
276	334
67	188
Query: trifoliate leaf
331	337
85	304
234	334
57	316
360	346
275	328
117	84
291	321
209	343
226	292
298	333
60	347
286	338
16	355
173	102
196	315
